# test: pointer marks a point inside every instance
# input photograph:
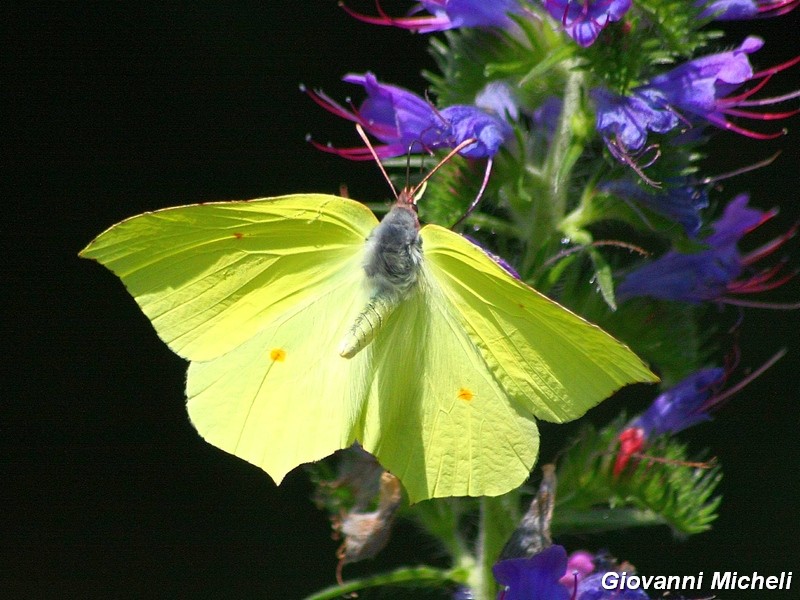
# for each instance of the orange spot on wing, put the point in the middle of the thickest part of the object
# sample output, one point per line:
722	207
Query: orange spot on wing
277	354
238	235
465	394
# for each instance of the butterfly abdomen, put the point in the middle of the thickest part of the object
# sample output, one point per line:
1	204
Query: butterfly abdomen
393	259
366	325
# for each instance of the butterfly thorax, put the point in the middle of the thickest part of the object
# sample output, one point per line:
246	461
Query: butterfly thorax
394	253
392	264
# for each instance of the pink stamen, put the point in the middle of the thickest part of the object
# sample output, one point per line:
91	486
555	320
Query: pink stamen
768	101
777	68
746	94
732	104
753	288
757	304
723	124
326	102
770	214
760	116
418	23
776	9
732	359
329	104
769	247
356	153
762	282
770	5
574	595
740	171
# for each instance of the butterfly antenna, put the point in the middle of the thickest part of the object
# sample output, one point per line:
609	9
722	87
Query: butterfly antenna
468	142
408	164
478	197
364	137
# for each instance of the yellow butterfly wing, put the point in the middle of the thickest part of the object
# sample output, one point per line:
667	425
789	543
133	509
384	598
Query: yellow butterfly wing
437	417
257	294
210	276
545	357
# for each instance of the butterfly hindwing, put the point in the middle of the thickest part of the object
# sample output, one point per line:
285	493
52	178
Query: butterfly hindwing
286	397
437	418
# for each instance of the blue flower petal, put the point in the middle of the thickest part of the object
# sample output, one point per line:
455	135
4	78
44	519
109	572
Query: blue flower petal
534	578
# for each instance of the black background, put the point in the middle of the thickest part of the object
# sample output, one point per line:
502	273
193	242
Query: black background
110	109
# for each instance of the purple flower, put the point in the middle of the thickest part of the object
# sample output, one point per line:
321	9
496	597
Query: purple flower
703	88
502	262
679	201
583	20
463	593
624	121
405	122
736	10
447	14
696	91
534	578
710	274
467	122
682	406
592	588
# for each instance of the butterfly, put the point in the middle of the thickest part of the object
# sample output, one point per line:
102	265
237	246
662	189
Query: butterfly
310	326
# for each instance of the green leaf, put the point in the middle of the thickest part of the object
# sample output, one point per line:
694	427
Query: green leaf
603	278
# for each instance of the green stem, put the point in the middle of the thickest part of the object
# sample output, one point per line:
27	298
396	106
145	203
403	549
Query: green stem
557	169
498	518
597	520
427	576
440	518
549	202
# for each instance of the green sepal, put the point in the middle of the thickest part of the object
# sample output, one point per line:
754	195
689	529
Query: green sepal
667	491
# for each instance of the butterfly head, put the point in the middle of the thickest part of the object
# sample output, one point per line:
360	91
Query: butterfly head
409	196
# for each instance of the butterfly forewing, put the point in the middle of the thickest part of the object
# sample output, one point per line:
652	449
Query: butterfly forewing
209	276
545	357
